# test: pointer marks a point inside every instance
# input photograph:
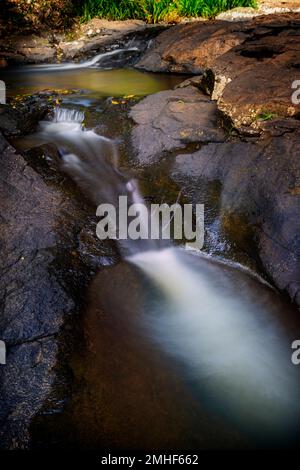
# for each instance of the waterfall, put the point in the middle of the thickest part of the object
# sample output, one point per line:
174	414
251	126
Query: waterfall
68	115
92	161
208	319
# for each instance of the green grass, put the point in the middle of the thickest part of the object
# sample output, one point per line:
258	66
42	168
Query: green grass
265	116
154	11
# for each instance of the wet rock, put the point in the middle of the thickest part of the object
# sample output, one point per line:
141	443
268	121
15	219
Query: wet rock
42	280
259	183
21	120
169	120
22	113
193	81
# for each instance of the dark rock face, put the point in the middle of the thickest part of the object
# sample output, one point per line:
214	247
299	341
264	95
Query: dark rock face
99	35
24	119
249	67
42	279
171	119
260	185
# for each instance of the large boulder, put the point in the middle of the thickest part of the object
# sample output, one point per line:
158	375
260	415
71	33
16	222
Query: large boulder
171	119
192	47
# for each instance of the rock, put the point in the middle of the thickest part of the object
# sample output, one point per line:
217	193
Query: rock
42	278
169	120
192	47
265	7
27	49
258	186
106	34
278	6
22	120
194	81
239	14
22	113
94	37
258	75
248	67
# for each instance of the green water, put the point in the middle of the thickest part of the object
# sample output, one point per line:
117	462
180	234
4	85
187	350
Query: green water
97	82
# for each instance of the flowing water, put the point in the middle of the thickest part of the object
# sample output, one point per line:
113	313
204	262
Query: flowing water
182	350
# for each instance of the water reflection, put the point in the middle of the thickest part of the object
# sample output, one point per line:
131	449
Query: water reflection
117	82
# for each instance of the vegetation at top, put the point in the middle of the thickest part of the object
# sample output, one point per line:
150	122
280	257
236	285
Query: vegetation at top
154	11
41	15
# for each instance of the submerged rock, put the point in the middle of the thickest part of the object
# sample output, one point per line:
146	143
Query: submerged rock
171	119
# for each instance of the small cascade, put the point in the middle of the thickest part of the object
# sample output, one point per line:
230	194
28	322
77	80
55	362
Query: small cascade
68	115
92	161
96	61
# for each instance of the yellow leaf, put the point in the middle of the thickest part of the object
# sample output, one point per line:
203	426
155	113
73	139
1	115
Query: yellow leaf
114	102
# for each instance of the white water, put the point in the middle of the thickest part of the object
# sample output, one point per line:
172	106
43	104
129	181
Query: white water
93	62
227	340
68	115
